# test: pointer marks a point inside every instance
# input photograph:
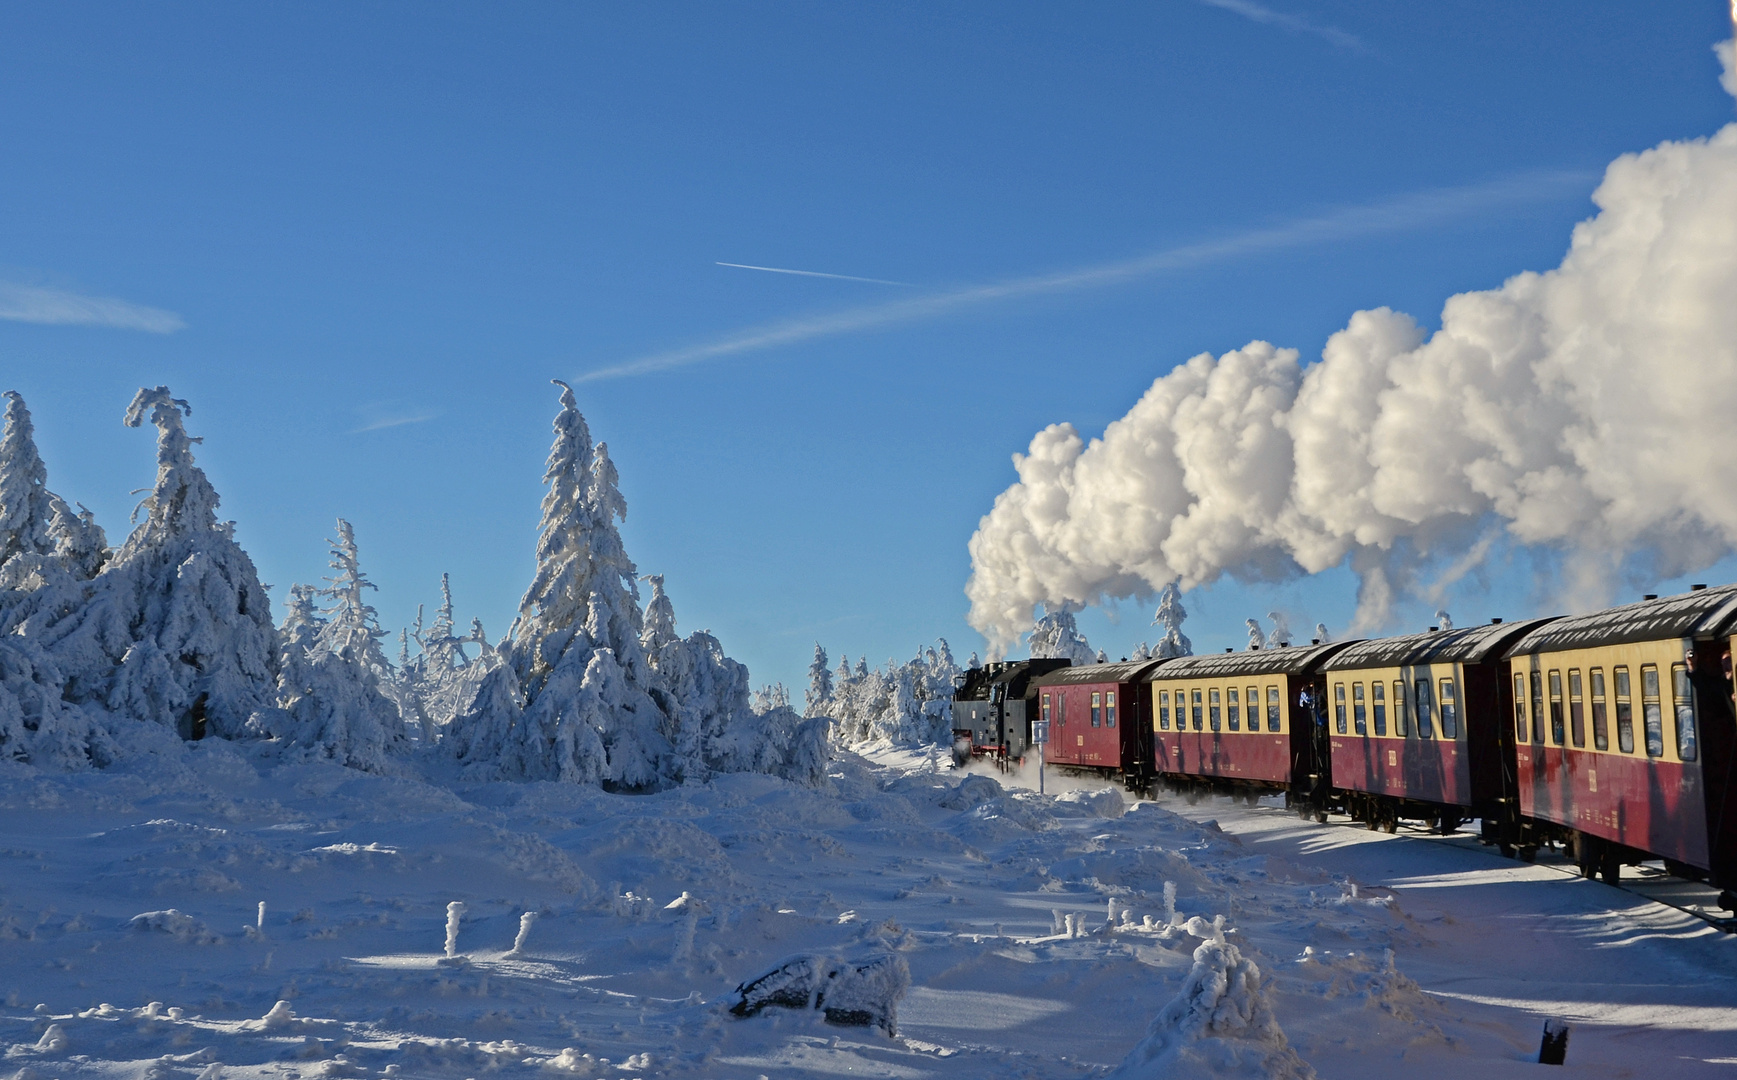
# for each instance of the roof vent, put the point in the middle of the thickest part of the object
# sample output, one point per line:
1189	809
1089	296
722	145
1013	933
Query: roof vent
1314	641
1696	588
1496	622
1650	596
1227	648
1433	629
1254	648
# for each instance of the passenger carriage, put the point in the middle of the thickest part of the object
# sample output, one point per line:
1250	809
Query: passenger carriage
1624	730
1242	723
1100	719
1416	727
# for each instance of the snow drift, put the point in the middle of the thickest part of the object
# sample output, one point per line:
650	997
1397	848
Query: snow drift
1556	409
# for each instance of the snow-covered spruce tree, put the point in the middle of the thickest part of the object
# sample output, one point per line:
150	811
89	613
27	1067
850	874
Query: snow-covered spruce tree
1174	643
576	662
46	550
440	682
659	617
819	696
1056	634
177	628
332	673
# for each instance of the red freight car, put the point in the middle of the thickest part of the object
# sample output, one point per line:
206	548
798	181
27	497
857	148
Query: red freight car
1623	720
1100	718
1416	726
1242	723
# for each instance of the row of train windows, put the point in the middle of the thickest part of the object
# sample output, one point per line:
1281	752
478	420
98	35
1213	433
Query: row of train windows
1429	708
1652	710
1217	713
1103	709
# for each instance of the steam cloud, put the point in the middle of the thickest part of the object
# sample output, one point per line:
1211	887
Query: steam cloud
1591	409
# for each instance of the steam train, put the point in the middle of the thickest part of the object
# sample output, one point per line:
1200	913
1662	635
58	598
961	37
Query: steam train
1612	734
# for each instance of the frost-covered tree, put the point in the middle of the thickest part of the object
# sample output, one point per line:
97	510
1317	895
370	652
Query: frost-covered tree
1055	634
1256	639
1170	615
973	663
1281	634
333	677
659	617
1321	634
440	681
906	704
1443	619
46	550
1142	651
819	694
177	629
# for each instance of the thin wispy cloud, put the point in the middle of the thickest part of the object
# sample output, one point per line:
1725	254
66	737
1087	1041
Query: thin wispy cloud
1296	24
59	307
816	273
394	421
1405	213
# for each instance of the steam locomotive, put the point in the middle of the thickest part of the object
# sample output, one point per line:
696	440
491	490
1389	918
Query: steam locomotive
1613	734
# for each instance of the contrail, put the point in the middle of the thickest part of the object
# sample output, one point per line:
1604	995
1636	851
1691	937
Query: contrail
1387	216
816	273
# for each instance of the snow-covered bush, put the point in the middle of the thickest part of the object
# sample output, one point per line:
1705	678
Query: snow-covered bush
442	679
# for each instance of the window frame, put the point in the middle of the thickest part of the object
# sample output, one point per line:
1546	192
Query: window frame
1359	710
1401	726
1109	708
1652	711
1624	695
1194	696
1558	722
1214	709
1340	725
1232	708
1683	707
1423	697
1522	727
1447	707
1275	710
1576	709
1599	706
1163	710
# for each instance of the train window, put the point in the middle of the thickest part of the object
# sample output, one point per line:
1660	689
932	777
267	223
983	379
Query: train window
1233	708
1339	708
1556	725
1448	704
1624	713
1274	720
1424	698
1538	706
1683	697
1519	706
1164	710
1576	710
1196	703
1399	708
1097	710
1600	719
1359	710
1252	701
1378	705
1650	710
1110	708
1213	713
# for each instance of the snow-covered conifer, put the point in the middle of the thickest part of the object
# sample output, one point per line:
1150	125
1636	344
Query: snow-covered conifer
177	629
1256	639
1055	634
660	623
819	694
1174	643
333	676
1321	634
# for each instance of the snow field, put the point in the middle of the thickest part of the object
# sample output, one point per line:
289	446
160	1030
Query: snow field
129	909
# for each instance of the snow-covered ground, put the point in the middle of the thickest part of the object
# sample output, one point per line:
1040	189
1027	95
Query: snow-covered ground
620	976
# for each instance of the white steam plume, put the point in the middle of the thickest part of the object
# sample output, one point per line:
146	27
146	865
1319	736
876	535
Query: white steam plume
1587	409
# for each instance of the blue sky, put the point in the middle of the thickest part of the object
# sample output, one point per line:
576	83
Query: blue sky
362	238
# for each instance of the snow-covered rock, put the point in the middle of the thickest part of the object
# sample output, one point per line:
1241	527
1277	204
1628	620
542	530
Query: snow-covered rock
861	991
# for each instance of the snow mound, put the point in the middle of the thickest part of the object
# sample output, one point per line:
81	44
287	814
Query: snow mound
1103	803
972	791
1219	1024
183	928
861	992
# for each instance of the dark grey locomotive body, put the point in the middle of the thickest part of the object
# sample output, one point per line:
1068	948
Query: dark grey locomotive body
994	707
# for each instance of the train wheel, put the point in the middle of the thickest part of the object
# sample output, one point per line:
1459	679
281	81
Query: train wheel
1528	852
1392	822
1610	868
1507	850
1320	817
